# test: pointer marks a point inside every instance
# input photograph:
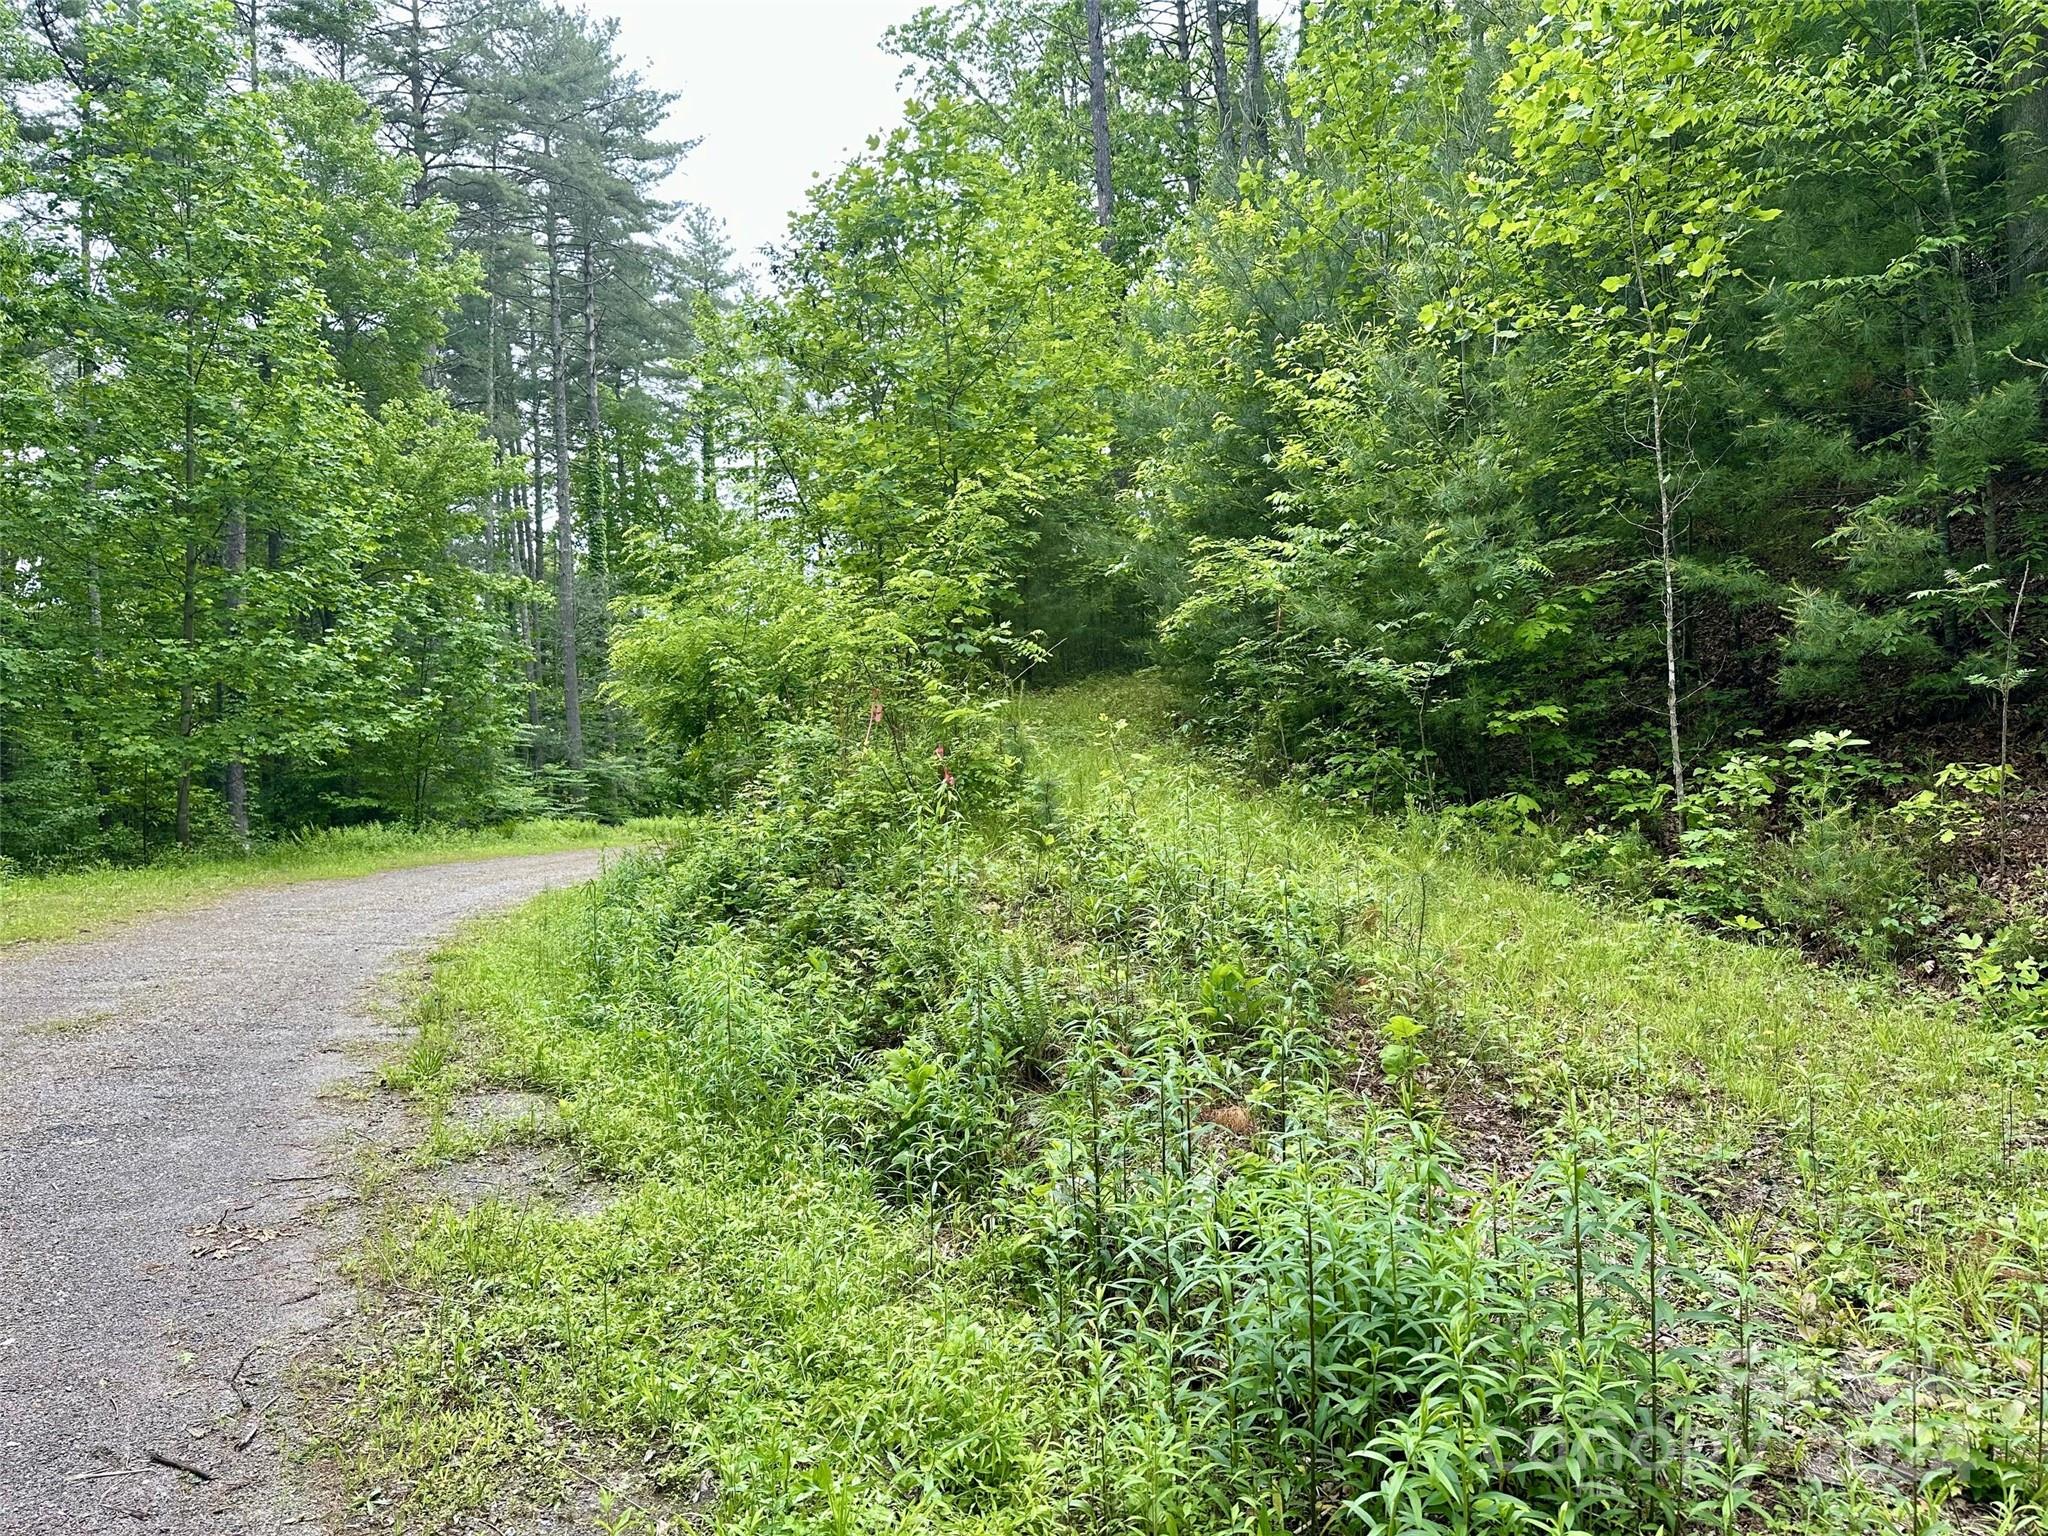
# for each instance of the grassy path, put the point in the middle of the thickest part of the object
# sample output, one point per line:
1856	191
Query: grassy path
79	902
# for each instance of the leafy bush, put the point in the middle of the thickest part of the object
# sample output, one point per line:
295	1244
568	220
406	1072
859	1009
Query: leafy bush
1806	844
1848	885
2008	972
752	642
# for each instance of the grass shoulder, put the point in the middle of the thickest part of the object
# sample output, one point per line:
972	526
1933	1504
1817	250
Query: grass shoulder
723	1312
1044	1150
75	903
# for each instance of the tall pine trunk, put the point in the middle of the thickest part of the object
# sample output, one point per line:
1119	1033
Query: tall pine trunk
1219	74
492	521
1260	147
1190	135
598	521
1098	122
565	513
536	547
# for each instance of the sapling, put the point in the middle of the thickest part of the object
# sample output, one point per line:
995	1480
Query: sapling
1308	1248
2009	678
1575	1190
2040	1382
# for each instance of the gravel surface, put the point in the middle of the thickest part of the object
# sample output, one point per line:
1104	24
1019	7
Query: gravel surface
174	1117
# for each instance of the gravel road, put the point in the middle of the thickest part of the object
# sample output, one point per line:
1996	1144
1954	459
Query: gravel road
173	1133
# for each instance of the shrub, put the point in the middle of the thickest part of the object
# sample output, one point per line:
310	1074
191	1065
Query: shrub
1848	885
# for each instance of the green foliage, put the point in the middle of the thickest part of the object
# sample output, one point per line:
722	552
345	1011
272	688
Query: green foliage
941	355
1011	1172
1818	843
1757	284
286	328
233	543
751	643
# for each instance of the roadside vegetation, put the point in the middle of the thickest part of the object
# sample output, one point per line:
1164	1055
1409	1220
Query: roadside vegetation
76	902
1522	1011
1056	1132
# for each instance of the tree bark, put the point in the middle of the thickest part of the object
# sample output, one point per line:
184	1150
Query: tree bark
593	424
1219	75
536	549
707	452
565	512
416	94
235	558
1260	146
88	371
1098	122
188	627
1190	135
1667	558
598	521
491	503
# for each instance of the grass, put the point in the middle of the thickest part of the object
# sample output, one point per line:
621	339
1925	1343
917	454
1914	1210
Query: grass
74	903
1177	1155
743	1298
1878	1093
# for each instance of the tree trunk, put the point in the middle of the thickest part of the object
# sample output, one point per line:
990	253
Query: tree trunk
2026	170
529	638
1667	559
492	532
1190	135
536	538
707	452
593	423
235	558
536	548
598	521
1098	122
188	628
1219	75
88	371
416	95
565	513
1260	146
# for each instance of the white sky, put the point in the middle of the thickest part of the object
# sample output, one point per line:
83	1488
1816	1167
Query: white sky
776	90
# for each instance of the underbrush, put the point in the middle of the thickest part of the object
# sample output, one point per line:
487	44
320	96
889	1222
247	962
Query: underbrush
1817	846
1093	1146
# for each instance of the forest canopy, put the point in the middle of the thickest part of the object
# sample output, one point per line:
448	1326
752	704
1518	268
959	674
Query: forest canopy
1458	401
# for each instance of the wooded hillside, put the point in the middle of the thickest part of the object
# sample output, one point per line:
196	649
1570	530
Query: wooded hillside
1558	407
341	365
